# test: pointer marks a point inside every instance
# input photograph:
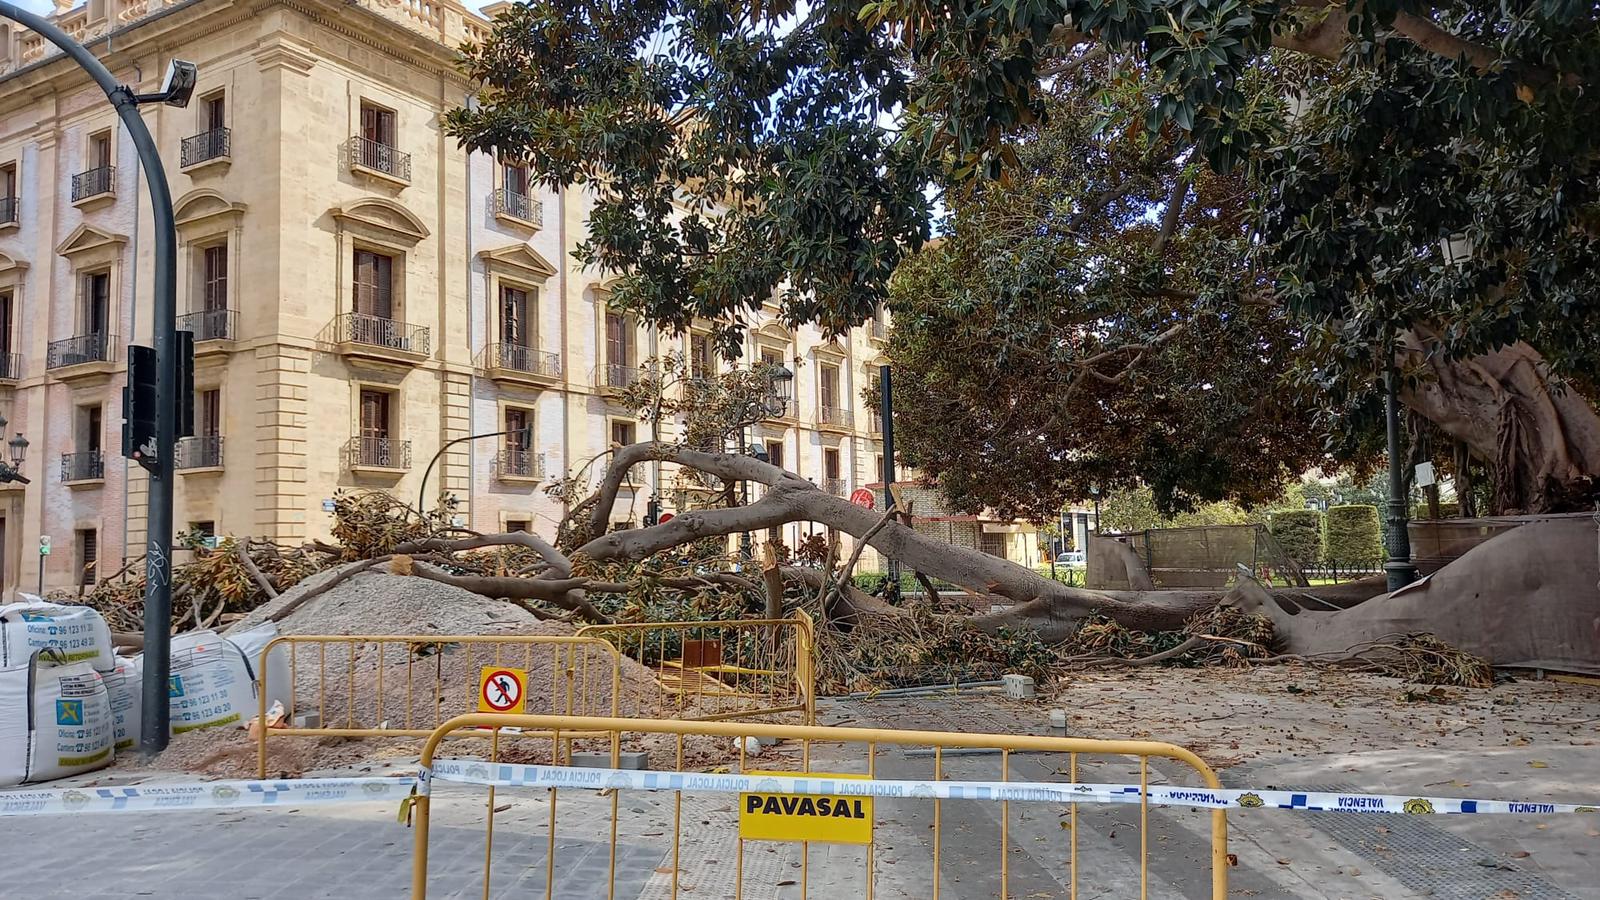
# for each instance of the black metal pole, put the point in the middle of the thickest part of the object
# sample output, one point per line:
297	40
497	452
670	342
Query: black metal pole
158	551
886	413
1399	568
745	551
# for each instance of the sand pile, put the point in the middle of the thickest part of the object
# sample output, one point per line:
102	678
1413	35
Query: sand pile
414	684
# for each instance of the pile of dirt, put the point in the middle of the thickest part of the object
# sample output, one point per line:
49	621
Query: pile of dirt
411	684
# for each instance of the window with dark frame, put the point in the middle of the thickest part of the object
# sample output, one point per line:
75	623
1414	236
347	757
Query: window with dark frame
377	125
828	386
94	314
375	409
209	408
374	284
6	317
214	112
518	525
515	176
702	364
622	432
100	150
830	464
8	193
515	327
90	425
775	453
88	555
214	277
619	349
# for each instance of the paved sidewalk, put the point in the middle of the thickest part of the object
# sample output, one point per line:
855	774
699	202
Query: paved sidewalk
360	851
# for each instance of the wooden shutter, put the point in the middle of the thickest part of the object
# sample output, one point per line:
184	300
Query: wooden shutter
216	277
216	113
5	324
516	420
100	152
830	387
96	302
775	453
516	178
830	462
92	423
89	544
374	414
377	125
374	294
210	413
616	340
514	328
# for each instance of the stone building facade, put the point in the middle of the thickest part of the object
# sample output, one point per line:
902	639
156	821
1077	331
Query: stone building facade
362	291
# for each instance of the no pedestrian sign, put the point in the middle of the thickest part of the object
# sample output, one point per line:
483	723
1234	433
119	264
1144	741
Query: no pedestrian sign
502	690
795	817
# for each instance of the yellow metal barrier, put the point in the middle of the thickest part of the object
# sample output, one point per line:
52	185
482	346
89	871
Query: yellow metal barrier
818	747
734	669
406	685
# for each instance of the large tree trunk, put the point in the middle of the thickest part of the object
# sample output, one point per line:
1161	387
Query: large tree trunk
1052	608
1542	441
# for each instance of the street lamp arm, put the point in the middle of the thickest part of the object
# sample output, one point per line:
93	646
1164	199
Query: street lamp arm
18	477
422	489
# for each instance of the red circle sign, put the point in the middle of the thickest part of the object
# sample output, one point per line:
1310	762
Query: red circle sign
502	690
863	498
665	518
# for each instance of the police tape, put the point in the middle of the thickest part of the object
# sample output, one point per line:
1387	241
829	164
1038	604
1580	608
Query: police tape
470	771
192	795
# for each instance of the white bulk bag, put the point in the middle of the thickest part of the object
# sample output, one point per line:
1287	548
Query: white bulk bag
55	720
210	683
276	678
78	632
124	688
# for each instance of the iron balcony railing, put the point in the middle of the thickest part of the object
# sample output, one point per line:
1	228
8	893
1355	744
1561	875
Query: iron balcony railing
8	210
835	416
378	452
203	452
93	182
519	206
80	349
90	465
377	331
206	145
209	325
10	366
524	359
521	464
834	486
616	375
379	157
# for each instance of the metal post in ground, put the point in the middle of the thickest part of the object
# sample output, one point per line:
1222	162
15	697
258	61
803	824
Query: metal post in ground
158	551
1399	568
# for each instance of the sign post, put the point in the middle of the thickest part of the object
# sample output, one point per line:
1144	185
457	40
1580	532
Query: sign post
44	550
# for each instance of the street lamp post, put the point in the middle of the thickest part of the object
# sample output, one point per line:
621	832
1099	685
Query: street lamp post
12	471
772	404
1398	568
525	431
176	91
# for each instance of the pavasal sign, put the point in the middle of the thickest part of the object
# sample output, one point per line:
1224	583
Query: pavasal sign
798	817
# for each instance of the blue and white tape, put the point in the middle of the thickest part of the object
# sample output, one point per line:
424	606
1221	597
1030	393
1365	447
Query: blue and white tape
471	771
203	795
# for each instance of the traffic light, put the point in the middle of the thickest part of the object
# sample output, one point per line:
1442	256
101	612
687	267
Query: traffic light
141	401
139	407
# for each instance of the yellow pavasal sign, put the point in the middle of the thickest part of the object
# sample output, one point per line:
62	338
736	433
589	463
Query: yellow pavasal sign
800	817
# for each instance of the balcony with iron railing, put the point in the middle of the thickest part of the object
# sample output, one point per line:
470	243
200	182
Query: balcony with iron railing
519	465
520	207
83	354
9	210
835	486
87	466
834	418
10	366
209	325
94	183
377	337
375	158
377	453
528	365
207	146
201	452
612	378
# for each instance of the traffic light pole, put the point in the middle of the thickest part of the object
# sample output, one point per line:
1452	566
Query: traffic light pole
158	552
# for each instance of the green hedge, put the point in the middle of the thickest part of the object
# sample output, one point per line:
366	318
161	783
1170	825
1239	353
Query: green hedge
1352	533
1299	532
